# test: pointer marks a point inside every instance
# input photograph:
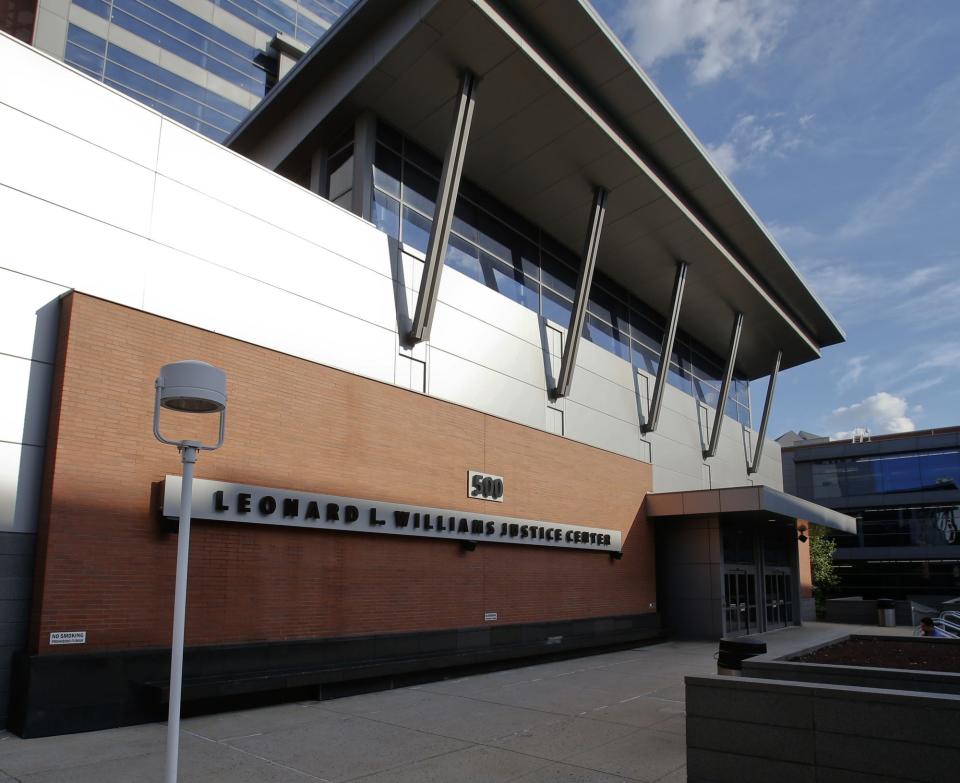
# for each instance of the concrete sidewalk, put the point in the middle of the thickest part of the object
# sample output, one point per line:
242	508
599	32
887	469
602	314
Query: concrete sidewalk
600	718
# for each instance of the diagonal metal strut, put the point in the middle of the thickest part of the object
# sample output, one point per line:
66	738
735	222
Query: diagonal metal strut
581	296
443	212
767	405
666	349
725	386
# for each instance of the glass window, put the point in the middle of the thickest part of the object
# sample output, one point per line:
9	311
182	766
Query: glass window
386	171
386	214
556	308
465	219
464	257
509	281
88	41
415	230
419	189
604	335
940	470
644	358
608	308
82	58
556	274
340	178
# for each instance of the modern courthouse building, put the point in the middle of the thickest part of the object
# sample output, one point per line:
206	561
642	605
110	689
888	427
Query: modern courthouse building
489	318
904	491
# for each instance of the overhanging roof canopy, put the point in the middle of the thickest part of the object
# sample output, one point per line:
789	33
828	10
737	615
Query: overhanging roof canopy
562	109
745	500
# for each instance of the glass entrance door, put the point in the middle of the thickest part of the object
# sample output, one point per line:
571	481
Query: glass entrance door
777	600
740	602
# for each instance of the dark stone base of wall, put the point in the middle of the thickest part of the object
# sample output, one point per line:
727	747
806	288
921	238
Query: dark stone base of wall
61	694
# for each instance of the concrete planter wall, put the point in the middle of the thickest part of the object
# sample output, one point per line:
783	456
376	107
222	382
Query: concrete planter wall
743	730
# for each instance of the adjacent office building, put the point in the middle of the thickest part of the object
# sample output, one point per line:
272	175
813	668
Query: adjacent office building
489	317
904	491
204	63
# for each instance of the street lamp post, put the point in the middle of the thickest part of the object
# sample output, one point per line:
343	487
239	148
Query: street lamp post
188	387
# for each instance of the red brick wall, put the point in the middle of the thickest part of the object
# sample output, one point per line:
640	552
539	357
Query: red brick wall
107	565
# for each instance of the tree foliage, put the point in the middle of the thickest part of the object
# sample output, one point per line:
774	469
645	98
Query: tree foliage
824	572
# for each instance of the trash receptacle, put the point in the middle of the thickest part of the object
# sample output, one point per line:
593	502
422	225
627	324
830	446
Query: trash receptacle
886	612
733	652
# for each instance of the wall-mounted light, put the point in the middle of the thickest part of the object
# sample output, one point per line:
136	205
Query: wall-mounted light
468	546
616	555
802	534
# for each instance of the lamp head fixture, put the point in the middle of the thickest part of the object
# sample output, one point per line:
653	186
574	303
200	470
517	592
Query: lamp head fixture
190	387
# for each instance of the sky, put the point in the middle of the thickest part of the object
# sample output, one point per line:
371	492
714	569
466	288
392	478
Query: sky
839	123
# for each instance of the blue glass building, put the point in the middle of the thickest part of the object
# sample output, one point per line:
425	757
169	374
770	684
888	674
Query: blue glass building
204	63
904	490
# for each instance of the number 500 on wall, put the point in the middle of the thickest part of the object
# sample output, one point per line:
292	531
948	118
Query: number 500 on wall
483	486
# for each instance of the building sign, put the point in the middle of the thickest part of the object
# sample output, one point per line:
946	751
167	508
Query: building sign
68	637
483	486
219	500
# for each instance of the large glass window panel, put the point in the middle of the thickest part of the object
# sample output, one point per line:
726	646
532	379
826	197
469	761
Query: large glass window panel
608	308
556	308
706	393
510	281
679	378
82	58
415	230
386	171
386	214
940	470
707	370
899	473
419	189
97	7
495	237
646	332
464	256
645	358
608	338
465	219
862	477
87	40
556	274
421	159
171	80
340	177
827	476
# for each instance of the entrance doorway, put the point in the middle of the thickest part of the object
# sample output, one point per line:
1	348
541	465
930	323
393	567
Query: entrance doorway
757	577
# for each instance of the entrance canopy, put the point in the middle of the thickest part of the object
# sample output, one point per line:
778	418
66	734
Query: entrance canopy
758	502
562	110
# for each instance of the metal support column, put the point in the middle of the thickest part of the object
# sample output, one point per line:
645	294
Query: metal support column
364	148
725	386
581	296
767	405
443	213
666	349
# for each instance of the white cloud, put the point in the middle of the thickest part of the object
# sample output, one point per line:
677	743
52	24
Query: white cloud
853	372
716	36
725	156
752	138
880	413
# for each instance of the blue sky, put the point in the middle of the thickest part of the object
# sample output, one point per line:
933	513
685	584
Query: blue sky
839	122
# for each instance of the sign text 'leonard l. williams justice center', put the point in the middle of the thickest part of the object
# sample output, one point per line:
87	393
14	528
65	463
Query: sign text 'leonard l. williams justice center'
268	506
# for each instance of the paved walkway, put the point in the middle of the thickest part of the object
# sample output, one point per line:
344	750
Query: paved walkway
599	719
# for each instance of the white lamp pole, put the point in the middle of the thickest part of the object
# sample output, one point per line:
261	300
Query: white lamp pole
188	387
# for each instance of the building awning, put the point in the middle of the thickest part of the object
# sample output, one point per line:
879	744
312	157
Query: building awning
758	502
562	109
